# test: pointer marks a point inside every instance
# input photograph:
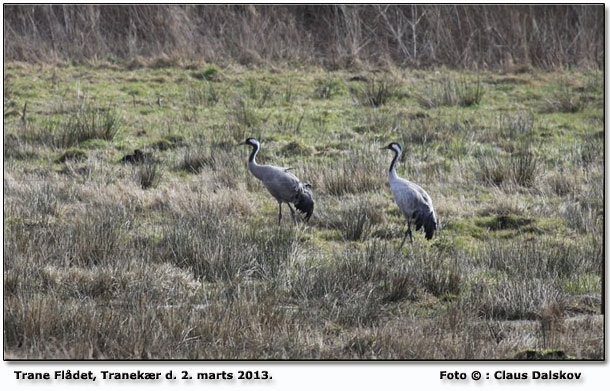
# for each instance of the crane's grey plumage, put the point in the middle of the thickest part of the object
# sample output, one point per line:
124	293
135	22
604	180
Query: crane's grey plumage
412	200
283	185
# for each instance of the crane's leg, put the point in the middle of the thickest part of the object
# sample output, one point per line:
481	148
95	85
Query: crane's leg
407	233
279	220
294	219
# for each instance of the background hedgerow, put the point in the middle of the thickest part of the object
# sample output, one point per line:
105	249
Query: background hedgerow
336	36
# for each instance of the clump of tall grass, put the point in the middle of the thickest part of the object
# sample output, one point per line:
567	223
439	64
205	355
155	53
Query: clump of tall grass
258	92
582	216
352	290
512	299
149	174
210	73
354	218
92	237
207	94
356	174
194	160
243	114
524	168
516	124
492	170
326	88
521	168
290	122
565	100
378	121
375	92
86	123
215	247
16	147
451	92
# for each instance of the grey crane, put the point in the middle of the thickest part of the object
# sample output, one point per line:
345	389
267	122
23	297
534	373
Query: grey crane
283	185
413	201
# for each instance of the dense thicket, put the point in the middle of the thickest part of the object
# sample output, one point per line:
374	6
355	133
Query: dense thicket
548	36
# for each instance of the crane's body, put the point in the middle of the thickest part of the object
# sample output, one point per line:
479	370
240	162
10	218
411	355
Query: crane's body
284	186
413	201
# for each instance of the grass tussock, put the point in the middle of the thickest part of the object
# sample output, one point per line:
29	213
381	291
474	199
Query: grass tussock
565	100
521	169
450	92
86	123
375	93
353	175
149	174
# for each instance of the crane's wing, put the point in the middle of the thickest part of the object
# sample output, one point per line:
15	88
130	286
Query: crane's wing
424	213
304	202
416	205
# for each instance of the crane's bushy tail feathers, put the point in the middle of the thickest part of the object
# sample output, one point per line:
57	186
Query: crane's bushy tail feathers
428	221
304	203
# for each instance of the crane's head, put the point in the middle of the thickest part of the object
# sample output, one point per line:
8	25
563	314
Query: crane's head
250	141
394	147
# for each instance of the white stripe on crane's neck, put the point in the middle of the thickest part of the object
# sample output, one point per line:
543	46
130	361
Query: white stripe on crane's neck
255	148
397	153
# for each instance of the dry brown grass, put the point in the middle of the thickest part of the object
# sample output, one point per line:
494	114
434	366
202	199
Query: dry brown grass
344	36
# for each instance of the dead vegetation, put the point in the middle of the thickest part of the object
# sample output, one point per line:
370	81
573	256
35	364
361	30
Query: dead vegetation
337	36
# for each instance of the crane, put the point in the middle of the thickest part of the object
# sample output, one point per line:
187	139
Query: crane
413	201
283	185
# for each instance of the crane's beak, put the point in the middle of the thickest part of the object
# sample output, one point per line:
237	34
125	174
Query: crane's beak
242	143
383	148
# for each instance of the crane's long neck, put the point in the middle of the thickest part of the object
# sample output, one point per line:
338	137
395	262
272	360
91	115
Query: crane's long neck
251	160
392	172
255	169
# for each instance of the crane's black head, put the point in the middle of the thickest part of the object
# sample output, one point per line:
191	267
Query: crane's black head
250	141
394	147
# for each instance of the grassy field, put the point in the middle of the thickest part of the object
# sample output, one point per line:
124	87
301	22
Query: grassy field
180	256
